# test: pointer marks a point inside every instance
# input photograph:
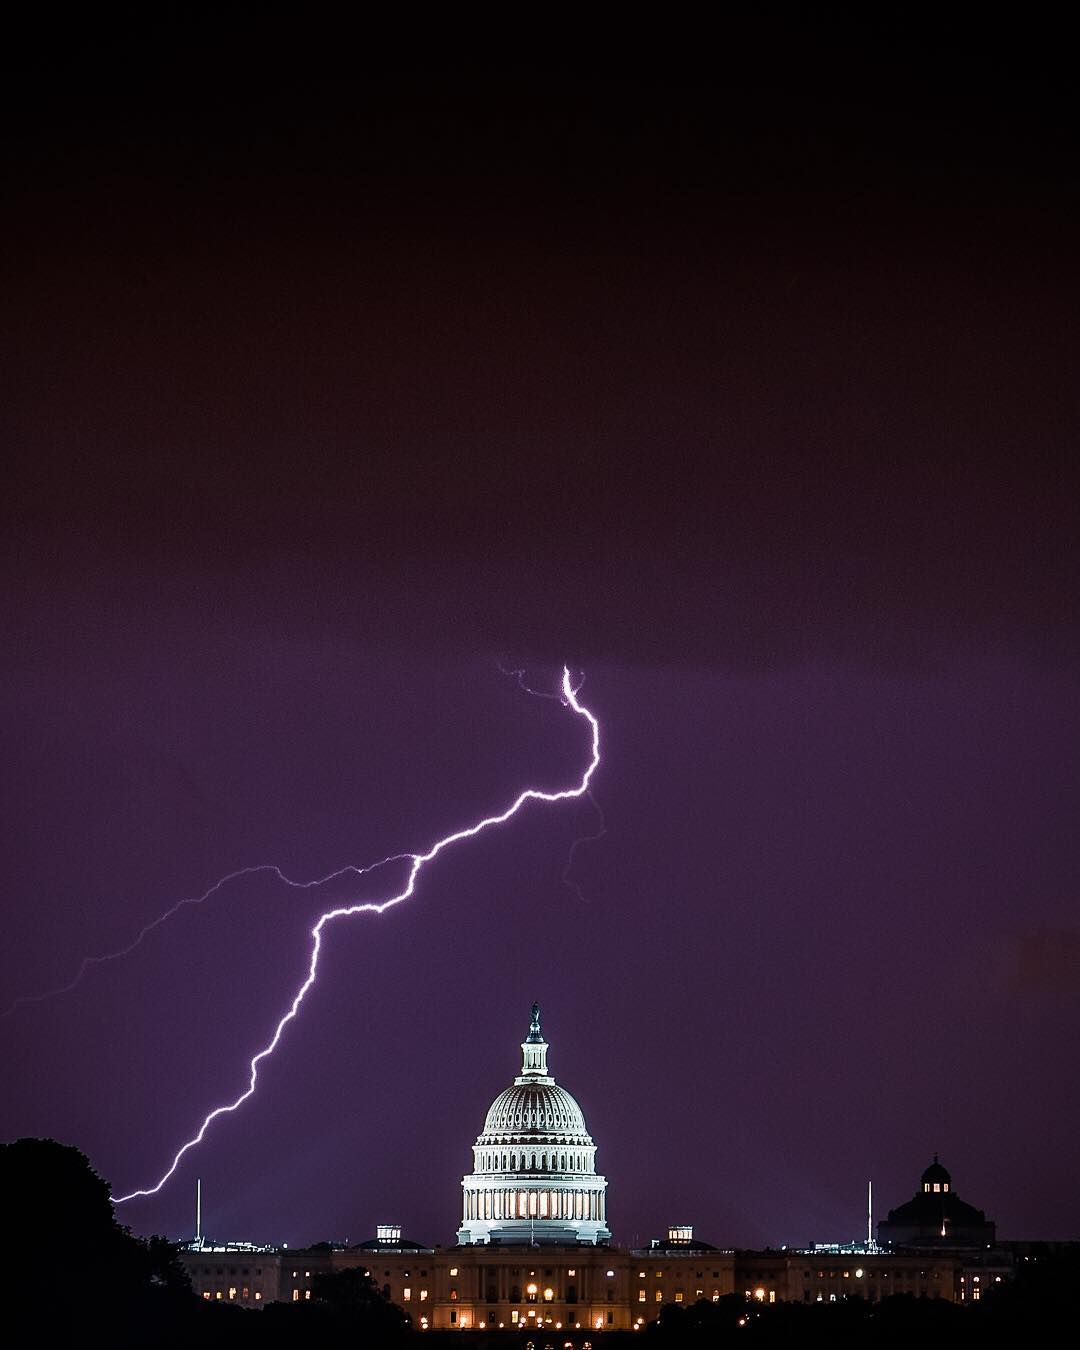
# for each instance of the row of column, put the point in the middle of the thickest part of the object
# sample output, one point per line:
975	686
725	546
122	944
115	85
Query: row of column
528	1162
533	1204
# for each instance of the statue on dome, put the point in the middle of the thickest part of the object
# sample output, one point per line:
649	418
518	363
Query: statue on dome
535	1034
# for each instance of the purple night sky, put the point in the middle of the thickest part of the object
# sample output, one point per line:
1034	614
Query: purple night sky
752	395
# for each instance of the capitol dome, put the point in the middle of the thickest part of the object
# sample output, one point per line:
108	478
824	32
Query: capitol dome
536	1108
534	1163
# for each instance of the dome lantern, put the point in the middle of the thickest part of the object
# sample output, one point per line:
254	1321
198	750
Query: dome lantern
936	1180
534	1053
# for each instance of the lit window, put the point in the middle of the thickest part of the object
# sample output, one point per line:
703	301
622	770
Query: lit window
976	1294
244	1292
453	1295
513	1316
641	1295
759	1294
296	1295
232	1291
571	1271
453	1270
937	1186
659	1296
218	1294
307	1293
423	1295
206	1293
678	1296
258	1296
406	1293
611	1274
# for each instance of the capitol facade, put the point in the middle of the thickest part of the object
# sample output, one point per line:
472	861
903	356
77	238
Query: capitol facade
534	1249
534	1175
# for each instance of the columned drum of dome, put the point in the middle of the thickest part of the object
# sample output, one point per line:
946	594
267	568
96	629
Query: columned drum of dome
534	1164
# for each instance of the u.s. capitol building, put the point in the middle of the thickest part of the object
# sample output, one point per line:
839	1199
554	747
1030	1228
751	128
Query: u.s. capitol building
534	1248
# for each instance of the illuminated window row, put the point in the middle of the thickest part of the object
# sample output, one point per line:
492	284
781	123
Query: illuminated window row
534	1204
243	1295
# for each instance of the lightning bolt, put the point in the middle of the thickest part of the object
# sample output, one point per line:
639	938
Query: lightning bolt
89	961
417	862
566	878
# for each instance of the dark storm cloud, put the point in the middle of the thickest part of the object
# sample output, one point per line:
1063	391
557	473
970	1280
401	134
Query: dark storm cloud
717	460
647	370
1047	961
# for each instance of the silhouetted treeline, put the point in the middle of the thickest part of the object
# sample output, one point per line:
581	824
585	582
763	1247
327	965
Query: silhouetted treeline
68	1266
1040	1306
75	1275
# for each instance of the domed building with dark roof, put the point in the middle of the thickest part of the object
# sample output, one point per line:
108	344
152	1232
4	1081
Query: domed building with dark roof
534	1176
936	1217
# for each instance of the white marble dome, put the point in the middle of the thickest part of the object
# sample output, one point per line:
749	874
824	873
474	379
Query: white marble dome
526	1110
534	1173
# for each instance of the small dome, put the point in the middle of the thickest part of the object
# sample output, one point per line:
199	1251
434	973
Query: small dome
935	1174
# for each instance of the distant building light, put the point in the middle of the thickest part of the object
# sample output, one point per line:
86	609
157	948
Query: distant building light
388	1232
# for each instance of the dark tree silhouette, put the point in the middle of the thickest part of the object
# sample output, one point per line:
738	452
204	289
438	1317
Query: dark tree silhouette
68	1265
347	1309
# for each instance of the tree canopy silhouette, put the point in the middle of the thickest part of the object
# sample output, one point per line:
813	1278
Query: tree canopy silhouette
68	1261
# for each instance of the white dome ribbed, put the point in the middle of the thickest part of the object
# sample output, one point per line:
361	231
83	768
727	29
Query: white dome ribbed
529	1113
